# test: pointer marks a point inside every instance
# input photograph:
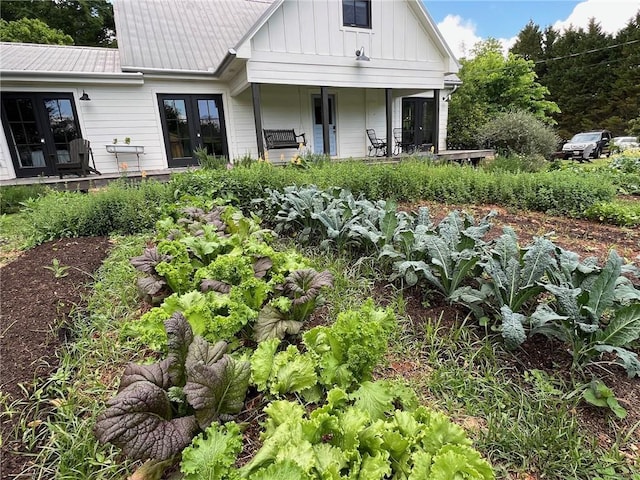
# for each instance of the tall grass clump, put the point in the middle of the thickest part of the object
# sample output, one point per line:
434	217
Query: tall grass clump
13	197
119	208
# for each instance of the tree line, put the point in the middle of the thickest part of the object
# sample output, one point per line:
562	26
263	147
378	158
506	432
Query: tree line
593	76
59	22
574	80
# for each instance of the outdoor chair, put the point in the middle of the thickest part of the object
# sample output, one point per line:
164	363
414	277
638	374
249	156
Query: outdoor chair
400	145
378	147
78	164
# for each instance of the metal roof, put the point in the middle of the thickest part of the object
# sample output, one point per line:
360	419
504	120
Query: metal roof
182	35
31	57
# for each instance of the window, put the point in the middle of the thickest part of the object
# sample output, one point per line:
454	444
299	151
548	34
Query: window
356	13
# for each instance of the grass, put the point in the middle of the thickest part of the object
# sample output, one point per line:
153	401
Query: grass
525	424
14	235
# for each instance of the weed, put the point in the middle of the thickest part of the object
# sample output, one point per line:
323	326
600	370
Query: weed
59	270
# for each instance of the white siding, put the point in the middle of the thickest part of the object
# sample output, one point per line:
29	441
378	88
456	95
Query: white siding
119	111
6	165
306	40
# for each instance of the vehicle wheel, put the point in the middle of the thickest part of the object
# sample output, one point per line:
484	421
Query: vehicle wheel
596	153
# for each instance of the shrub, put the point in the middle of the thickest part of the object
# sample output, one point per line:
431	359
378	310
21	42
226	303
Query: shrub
519	133
12	197
120	208
515	163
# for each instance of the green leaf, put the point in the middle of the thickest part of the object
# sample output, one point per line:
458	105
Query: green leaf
375	467
460	462
285	470
629	360
374	398
292	372
623	329
213	453
262	363
601	293
512	328
272	323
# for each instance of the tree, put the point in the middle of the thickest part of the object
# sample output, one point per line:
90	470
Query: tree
491	84
88	22
32	30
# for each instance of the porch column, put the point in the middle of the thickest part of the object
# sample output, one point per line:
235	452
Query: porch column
436	127
389	105
324	113
257	115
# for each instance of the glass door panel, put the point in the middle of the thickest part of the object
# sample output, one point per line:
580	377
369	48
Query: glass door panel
177	128
63	126
210	128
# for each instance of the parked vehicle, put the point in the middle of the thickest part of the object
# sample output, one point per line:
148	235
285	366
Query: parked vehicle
625	143
587	145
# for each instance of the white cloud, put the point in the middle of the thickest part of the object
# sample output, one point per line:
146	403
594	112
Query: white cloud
459	34
612	15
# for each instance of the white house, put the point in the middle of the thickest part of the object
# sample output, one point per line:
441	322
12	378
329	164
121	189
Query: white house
217	73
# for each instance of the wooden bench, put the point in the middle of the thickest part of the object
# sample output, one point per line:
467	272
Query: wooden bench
283	139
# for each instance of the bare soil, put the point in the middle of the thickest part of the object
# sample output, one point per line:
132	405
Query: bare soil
35	307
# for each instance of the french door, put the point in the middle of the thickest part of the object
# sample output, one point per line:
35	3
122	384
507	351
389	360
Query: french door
39	127
190	122
418	122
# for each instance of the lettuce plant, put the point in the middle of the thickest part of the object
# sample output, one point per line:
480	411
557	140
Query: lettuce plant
160	407
363	435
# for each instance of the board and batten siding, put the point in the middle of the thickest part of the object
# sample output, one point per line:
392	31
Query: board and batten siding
306	40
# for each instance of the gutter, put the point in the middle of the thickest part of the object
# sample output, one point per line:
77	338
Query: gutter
170	71
71	77
226	61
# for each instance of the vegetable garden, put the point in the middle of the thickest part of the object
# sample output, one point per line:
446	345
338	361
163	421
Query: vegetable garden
261	323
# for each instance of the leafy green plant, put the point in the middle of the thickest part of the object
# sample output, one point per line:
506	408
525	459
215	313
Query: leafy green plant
209	162
519	132
348	350
511	281
59	270
362	434
594	313
447	256
212	453
618	212
143	418
598	394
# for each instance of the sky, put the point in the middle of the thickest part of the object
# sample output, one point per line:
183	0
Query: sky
464	23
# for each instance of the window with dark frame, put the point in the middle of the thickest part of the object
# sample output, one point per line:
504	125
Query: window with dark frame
356	13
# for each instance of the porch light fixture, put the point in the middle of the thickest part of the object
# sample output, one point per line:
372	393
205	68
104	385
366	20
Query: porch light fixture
85	97
360	56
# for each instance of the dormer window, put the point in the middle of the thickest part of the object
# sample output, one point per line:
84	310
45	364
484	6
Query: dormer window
356	13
